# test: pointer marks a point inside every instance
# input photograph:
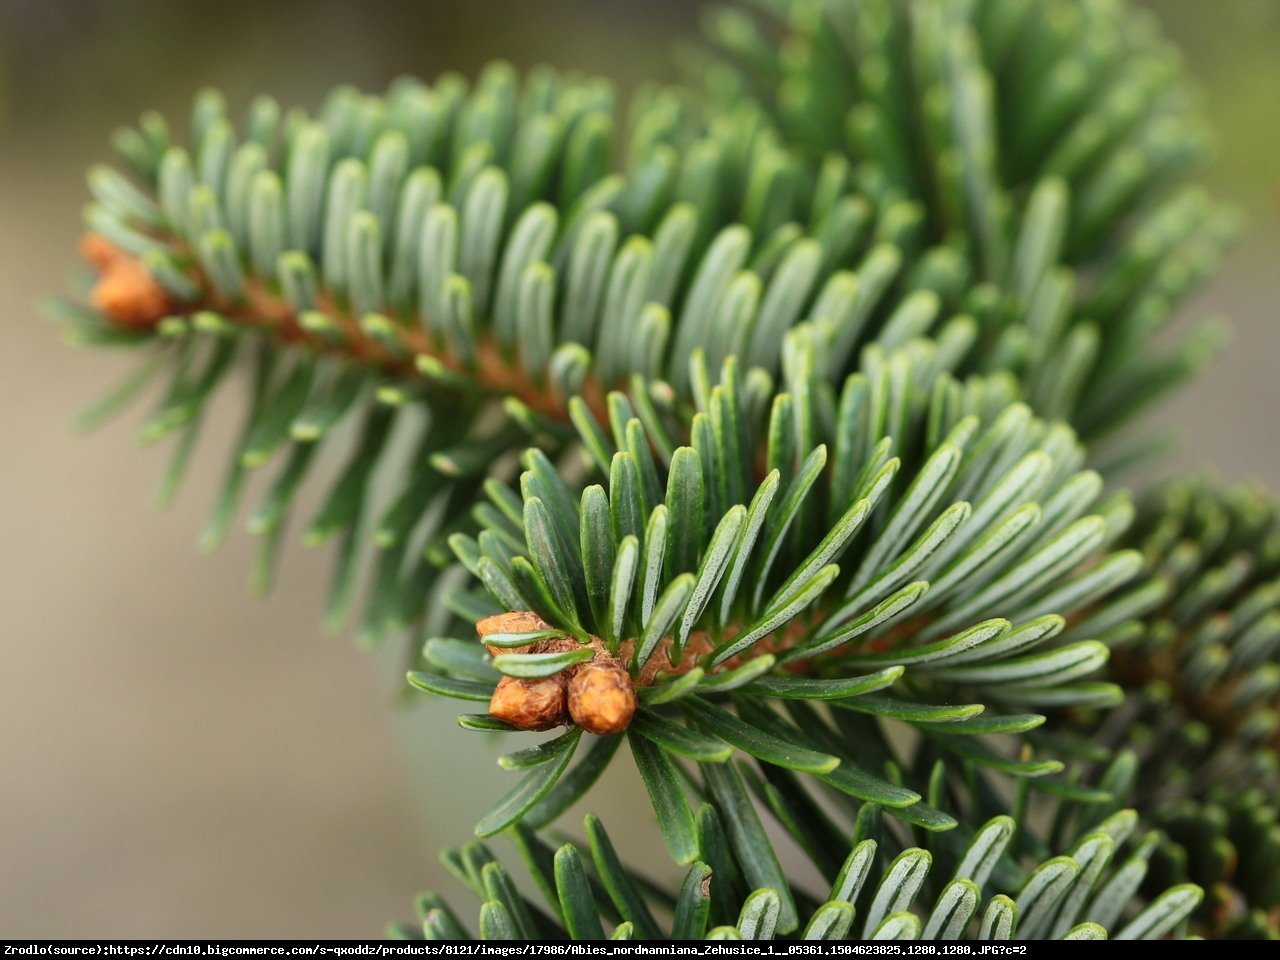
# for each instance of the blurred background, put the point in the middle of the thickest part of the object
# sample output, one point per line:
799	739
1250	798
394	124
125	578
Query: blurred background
178	759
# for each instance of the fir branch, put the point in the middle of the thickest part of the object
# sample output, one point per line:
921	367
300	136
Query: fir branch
816	585
1196	647
588	892
1047	142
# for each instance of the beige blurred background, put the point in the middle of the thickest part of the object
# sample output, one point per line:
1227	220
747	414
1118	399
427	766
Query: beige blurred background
178	759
